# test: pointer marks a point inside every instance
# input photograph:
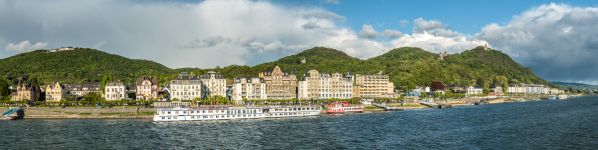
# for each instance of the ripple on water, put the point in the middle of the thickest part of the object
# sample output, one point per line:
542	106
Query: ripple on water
570	124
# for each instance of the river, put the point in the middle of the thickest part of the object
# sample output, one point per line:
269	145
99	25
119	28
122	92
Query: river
549	124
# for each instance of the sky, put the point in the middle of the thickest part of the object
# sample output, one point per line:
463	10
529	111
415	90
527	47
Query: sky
558	40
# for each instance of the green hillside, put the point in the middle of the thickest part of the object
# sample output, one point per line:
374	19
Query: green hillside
406	66
413	66
76	66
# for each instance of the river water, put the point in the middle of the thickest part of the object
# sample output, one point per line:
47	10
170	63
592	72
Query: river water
552	124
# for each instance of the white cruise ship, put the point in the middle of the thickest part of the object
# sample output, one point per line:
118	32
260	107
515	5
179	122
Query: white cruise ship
224	113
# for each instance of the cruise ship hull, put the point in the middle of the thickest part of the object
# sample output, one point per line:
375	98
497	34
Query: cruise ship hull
205	114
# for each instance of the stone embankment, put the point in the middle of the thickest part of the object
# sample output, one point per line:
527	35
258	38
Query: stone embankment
87	113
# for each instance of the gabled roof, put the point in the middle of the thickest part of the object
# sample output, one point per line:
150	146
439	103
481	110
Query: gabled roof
117	83
152	79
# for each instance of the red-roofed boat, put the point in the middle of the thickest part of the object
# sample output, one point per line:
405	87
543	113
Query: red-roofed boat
343	107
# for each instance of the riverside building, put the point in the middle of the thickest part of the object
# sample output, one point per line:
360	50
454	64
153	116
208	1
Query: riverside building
213	84
316	85
115	91
55	92
373	86
26	92
146	88
185	87
249	89
279	85
79	90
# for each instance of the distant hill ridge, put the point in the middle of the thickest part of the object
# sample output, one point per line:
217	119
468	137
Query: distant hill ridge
407	66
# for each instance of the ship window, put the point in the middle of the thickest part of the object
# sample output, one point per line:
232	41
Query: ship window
163	118
168	112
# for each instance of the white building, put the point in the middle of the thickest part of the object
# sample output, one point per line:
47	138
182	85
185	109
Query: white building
531	89
185	87
535	89
517	89
249	89
316	85
213	84
115	91
146	88
474	91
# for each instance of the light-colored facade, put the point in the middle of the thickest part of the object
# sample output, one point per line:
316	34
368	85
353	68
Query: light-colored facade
316	85
280	85
497	89
213	84
531	89
248	88
26	92
79	90
536	89
185	87
373	86
115	91
474	91
517	89
146	88
55	92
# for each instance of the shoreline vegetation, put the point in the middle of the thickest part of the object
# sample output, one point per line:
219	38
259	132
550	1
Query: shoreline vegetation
138	112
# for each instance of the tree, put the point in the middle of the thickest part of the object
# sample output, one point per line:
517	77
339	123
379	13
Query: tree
501	81
437	86
4	91
484	85
105	80
93	98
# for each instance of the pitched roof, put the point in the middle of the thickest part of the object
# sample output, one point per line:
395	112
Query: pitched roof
152	79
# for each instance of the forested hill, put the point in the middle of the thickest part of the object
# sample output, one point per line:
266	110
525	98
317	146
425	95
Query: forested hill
76	66
406	66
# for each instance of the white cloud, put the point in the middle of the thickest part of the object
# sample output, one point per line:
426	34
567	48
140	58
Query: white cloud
202	34
367	31
433	35
25	46
392	33
558	41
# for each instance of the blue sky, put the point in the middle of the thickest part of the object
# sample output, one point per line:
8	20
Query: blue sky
558	40
466	16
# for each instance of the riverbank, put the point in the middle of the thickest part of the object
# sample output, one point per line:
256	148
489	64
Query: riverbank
148	113
87	113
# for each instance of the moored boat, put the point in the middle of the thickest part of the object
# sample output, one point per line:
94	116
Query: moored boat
343	107
562	96
227	113
13	113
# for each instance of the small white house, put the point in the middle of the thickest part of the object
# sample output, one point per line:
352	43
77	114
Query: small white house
115	91
474	91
